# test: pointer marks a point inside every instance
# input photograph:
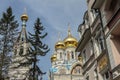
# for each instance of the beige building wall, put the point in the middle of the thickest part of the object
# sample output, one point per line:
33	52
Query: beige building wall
115	46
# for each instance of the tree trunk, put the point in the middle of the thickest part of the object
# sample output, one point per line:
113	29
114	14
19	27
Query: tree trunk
34	68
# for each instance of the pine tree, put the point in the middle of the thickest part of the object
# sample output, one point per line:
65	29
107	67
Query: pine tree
8	32
38	48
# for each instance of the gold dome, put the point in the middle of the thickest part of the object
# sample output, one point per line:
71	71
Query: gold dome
60	45
70	41
24	17
53	57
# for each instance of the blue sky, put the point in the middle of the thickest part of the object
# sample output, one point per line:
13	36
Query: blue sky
55	16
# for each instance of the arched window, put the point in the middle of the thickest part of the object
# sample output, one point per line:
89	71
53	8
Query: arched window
60	55
21	51
68	56
72	55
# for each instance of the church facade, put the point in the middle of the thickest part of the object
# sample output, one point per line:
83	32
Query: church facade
66	65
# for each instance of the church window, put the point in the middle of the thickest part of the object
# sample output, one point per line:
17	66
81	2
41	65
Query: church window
72	55
68	56
78	69
21	50
60	54
22	39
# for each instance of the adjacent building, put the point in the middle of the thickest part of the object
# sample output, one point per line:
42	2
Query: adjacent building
100	40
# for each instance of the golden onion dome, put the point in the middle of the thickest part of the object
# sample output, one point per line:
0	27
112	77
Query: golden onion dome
60	45
24	17
70	41
53	58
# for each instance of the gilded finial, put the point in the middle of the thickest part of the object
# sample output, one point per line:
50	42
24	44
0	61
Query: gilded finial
69	31
24	16
59	36
25	10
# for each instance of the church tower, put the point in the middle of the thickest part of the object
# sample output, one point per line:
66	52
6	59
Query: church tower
70	46
65	63
59	49
20	48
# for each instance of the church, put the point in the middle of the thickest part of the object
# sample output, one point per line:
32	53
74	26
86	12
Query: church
66	65
20	48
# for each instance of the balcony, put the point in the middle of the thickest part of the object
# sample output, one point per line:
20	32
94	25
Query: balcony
97	4
95	24
84	39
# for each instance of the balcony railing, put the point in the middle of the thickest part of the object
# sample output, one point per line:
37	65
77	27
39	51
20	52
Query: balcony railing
95	23
84	39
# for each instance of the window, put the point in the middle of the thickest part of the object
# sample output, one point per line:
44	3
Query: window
106	76
100	41
84	55
68	55
21	50
60	55
91	47
22	38
78	69
72	55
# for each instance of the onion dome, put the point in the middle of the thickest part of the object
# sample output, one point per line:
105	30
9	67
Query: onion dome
53	58
70	41
24	17
60	45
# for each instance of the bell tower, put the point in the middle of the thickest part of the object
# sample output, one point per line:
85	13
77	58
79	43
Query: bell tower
20	49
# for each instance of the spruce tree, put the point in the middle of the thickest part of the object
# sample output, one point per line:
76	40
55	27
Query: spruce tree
8	32
38	48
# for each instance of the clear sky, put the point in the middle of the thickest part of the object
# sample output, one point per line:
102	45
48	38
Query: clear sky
55	16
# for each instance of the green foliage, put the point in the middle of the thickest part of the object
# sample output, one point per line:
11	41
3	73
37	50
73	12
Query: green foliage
35	39
8	32
38	48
